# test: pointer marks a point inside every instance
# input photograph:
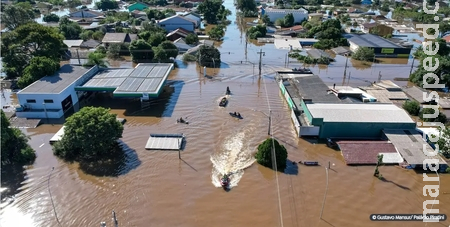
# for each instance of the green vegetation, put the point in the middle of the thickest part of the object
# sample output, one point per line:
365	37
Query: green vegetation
165	51
191	39
89	134
51	18
156	2
38	68
442	71
105	5
89	34
156	39
70	29
207	54
257	31
265	154
96	58
247	7
329	34
313	61
27	41
364	54
444	142
379	163
287	21
213	11
14	15
141	50
159	14
217	32
15	149
440	118
412	107
189	58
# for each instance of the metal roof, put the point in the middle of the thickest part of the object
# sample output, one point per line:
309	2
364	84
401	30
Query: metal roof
415	93
58	82
311	87
316	54
409	143
363	112
364	152
370	40
145	78
164	142
73	43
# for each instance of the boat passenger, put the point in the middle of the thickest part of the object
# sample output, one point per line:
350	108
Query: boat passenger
239	114
181	119
235	114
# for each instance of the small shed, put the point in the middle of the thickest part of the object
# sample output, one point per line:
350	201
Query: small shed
317	54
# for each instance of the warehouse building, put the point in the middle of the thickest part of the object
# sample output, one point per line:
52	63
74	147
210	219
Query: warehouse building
318	111
53	96
383	48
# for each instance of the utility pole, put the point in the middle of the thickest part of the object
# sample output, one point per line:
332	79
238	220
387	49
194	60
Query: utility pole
379	76
270	121
345	68
325	195
260	60
412	66
78	56
246	42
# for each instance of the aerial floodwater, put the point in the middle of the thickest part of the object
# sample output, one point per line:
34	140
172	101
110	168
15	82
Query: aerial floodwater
156	188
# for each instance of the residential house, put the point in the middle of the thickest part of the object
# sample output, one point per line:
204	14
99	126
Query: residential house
194	17
138	14
181	45
315	16
178	33
118	38
177	2
291	31
275	14
378	29
73	43
90	44
137	6
379	17
86	15
354	10
174	22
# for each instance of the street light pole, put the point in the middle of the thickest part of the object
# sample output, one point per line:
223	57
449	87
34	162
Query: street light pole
214	65
325	195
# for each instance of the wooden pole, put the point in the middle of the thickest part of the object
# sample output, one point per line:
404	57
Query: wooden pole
325	195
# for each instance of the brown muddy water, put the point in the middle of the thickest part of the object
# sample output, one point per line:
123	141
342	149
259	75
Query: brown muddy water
155	188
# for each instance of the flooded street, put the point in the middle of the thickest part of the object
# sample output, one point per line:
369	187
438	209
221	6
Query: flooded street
155	188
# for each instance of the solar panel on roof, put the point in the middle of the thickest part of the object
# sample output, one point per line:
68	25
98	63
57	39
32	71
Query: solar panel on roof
130	84
149	85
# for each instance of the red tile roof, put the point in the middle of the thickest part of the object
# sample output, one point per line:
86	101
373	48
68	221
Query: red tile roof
364	152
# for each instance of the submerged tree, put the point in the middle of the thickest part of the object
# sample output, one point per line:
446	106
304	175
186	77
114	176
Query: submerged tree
265	154
379	163
90	134
209	56
15	148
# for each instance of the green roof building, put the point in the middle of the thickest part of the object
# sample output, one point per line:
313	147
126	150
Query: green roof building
137	6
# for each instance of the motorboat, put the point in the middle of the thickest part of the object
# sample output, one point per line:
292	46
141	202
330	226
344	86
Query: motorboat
182	121
223	102
225	181
309	163
236	115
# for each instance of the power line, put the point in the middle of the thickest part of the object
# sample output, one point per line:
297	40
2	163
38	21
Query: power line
51	198
274	158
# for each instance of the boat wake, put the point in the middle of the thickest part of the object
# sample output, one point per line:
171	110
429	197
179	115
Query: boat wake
234	158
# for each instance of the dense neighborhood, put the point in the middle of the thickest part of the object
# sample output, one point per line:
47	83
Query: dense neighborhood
113	86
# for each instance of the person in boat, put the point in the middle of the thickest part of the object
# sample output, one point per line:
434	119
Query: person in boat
181	120
235	114
239	114
228	89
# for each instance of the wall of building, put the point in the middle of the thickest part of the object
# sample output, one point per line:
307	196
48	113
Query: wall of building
52	101
392	52
175	23
40	114
359	129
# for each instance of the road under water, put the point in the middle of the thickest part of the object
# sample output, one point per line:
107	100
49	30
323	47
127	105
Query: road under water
155	188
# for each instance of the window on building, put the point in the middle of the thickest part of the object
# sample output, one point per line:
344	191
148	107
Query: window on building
31	100
48	100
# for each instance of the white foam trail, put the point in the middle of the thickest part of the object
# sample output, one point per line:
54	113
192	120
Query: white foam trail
234	158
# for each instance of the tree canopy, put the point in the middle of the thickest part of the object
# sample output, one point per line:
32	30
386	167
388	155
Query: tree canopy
328	33
264	154
107	4
217	32
38	68
18	47
248	7
141	50
51	18
444	141
70	29
89	134
155	14
213	11
191	38
14	15
156	39
257	31
206	54
15	148
364	54
412	107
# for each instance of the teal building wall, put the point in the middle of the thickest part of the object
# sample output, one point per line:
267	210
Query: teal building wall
358	129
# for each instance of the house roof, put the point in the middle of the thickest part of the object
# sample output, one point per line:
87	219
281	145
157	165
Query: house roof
293	11
365	152
311	87
369	25
91	43
370	40
114	37
73	43
180	31
363	112
88	12
181	44
175	16
193	14
133	36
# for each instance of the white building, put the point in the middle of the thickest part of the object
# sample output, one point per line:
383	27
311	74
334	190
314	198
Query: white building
275	14
52	96
174	22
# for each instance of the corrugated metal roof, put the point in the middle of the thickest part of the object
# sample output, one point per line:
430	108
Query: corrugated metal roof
370	40
363	112
409	144
364	152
